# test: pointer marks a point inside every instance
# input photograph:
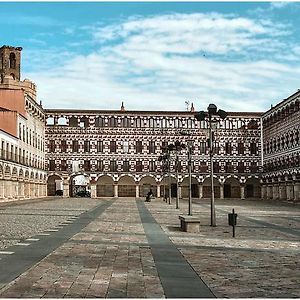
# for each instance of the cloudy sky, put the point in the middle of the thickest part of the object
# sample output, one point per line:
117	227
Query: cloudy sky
157	56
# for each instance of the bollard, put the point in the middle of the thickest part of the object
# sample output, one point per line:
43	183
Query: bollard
232	221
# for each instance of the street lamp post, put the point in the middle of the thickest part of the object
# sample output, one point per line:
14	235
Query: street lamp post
177	184
189	152
166	160
189	143
201	116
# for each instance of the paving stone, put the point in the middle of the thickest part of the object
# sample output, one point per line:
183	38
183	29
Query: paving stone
111	256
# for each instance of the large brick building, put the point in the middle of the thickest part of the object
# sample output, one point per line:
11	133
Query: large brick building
118	151
22	128
281	137
115	153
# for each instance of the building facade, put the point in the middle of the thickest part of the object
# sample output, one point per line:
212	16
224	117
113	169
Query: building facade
22	132
281	127
117	153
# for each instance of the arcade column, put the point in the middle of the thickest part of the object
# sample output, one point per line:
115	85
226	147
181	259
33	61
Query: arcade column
115	190
137	191
66	188
158	191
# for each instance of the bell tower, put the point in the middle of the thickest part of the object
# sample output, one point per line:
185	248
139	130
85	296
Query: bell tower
10	61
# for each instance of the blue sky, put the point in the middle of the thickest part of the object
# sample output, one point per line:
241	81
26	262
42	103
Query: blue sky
157	56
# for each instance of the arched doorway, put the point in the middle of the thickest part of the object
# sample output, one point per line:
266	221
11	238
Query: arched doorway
232	188
185	188
54	186
80	186
145	184
206	192
105	186
165	183
252	188
126	187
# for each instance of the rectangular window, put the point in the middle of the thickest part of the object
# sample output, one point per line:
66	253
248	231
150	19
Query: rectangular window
216	148
151	147
113	146
51	146
99	146
86	146
253	148
241	167
126	166
87	165
240	148
63	146
152	166
139	147
99	165
164	146
125	146
253	167
75	146
63	165
228	167
113	166
139	166
228	148
202	147
216	167
203	167
52	165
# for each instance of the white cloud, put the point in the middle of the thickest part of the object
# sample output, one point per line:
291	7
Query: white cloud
160	62
279	4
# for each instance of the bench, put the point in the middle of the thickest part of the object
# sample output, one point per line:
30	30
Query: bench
189	223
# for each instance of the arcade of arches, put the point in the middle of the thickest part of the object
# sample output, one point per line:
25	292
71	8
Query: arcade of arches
128	186
21	183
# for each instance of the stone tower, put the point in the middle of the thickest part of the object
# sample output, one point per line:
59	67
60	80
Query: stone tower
10	60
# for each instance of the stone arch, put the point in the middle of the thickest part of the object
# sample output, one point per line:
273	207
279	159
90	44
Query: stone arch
21	173
252	187
62	121
146	183
26	176
185	187
232	187
50	121
105	186
54	184
84	122
166	180
7	171
73	122
126	186
14	174
206	192
79	183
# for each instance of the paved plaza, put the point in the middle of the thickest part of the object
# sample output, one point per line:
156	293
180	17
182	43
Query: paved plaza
126	248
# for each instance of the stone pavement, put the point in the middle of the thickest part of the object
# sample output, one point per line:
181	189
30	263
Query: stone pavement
125	248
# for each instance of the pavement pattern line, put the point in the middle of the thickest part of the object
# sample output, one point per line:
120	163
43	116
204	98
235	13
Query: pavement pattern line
178	278
25	257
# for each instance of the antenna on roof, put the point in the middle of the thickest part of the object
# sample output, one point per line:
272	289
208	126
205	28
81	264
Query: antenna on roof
187	103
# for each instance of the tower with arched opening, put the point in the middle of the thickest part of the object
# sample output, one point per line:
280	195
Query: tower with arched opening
10	61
